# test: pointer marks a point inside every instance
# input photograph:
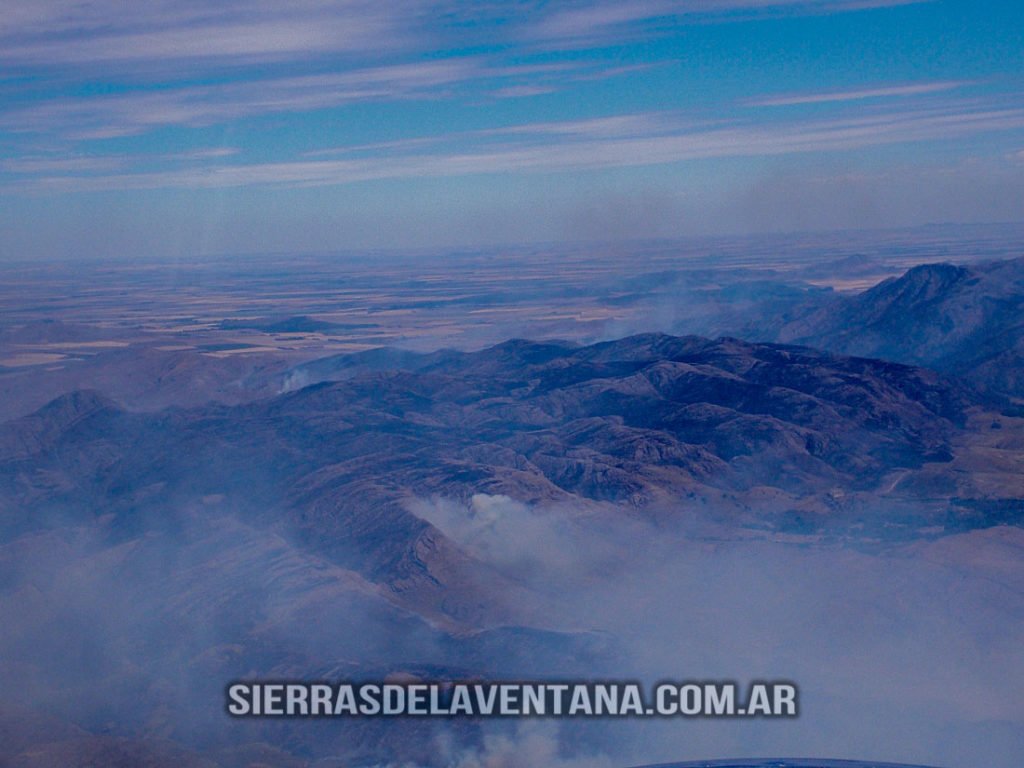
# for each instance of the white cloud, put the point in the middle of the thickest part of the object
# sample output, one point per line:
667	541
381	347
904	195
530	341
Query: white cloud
255	47
99	117
594	22
588	144
50	164
522	91
137	111
51	32
912	89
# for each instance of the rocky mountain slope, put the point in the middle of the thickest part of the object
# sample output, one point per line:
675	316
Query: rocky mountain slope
641	421
965	321
353	526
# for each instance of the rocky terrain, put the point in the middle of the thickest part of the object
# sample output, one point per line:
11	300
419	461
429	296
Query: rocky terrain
966	321
641	423
368	523
174	515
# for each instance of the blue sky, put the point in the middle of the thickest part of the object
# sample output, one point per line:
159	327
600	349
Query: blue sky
182	128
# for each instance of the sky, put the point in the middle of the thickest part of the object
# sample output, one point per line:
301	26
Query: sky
180	128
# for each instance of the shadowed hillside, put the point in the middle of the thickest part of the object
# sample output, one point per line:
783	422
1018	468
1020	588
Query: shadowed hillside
966	321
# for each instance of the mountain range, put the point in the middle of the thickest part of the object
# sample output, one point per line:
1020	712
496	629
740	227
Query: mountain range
389	513
966	321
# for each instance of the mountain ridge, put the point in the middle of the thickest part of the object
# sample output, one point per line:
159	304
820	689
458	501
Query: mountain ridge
961	320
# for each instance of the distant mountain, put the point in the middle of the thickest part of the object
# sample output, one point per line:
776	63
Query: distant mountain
966	321
147	376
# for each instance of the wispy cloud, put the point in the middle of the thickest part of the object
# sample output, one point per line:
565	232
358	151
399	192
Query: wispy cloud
47	165
192	63
207	153
135	111
50	34
54	32
523	91
132	113
579	147
890	91
584	22
43	165
613	126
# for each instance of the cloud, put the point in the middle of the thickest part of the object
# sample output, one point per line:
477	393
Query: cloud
43	165
521	91
207	153
139	110
583	145
643	123
194	64
135	112
55	32
50	34
914	89
593	23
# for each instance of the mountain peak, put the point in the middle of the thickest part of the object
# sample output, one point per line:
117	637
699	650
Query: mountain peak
961	320
923	283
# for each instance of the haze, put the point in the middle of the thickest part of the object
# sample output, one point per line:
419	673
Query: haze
176	130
